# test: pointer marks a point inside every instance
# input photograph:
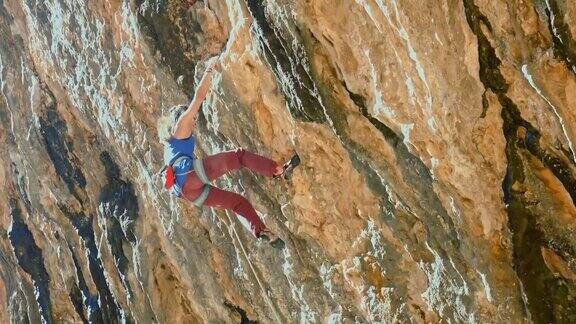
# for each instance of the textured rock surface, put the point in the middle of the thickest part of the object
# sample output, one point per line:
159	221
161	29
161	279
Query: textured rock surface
438	178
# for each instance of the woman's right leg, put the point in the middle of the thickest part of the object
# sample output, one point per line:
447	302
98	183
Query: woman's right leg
218	164
219	198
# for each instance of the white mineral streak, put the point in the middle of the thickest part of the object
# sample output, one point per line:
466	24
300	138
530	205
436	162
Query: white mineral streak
487	291
455	209
378	249
530	80
401	31
464	284
441	285
379	105
33	91
397	26
434	163
335	318
130	27
554	29
432	123
376	303
411	52
2	85
326	273
406	129
379	306
525	301
438	39
307	314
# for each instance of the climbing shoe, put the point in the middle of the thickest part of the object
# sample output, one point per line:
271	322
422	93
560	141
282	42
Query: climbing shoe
272	238
289	167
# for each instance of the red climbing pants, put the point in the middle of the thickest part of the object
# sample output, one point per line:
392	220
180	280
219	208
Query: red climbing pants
216	166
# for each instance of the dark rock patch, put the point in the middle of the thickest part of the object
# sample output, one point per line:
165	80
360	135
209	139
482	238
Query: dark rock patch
119	206
30	259
59	147
110	310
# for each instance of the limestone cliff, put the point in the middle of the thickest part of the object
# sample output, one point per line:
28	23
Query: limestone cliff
437	138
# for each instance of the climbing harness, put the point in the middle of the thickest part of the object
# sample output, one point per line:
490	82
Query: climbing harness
170	178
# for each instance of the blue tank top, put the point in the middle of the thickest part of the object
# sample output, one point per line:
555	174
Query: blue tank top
175	148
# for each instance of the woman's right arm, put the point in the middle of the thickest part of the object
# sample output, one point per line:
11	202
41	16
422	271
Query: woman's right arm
186	122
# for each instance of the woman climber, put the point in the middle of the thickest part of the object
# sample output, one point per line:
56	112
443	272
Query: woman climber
189	177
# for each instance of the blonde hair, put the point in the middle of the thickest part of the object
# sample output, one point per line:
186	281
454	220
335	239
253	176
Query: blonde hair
166	123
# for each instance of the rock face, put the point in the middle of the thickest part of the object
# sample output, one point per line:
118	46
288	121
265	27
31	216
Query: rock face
437	138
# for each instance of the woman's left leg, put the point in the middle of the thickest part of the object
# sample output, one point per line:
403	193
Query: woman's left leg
234	202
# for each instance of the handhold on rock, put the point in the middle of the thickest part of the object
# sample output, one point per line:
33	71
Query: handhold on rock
289	166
